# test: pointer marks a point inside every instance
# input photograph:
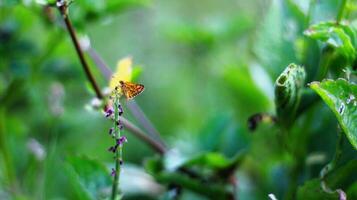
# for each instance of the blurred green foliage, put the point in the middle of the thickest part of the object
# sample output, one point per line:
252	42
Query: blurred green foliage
207	67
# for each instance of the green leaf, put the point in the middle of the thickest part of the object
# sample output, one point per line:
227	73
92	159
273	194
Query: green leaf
241	83
215	161
79	190
210	189
208	160
340	96
211	160
89	177
340	37
154	165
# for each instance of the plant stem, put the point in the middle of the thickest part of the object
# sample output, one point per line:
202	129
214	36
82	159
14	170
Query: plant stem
324	64
71	31
310	12
144	121
118	153
331	166
340	11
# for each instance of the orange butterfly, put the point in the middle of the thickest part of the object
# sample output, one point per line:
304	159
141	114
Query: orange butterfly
131	90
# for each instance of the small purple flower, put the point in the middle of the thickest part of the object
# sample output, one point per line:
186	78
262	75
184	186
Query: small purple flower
120	109
109	112
120	124
121	140
113	172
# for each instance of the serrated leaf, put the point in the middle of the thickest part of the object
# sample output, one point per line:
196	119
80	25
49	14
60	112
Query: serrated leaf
340	96
340	37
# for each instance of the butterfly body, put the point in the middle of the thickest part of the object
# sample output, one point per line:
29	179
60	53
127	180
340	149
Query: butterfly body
131	90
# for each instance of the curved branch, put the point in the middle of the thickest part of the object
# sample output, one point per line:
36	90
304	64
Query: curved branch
63	9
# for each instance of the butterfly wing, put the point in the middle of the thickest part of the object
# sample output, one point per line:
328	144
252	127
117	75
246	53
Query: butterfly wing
131	90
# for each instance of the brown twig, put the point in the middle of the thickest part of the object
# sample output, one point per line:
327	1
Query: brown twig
144	121
63	9
141	134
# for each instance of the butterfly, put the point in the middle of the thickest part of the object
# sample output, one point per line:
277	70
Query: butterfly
131	90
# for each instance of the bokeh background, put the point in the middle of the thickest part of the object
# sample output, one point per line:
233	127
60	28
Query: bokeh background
206	65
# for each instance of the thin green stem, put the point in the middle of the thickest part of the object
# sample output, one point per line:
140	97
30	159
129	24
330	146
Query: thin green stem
310	12
299	140
341	11
324	64
331	166
118	153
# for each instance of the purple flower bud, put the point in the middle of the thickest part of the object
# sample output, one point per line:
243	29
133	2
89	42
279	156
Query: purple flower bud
111	131
120	108
113	148
113	172
120	162
109	112
121	127
121	140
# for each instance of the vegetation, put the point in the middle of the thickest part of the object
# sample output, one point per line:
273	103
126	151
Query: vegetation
243	99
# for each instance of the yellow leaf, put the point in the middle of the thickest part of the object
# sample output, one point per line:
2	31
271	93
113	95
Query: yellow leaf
122	73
